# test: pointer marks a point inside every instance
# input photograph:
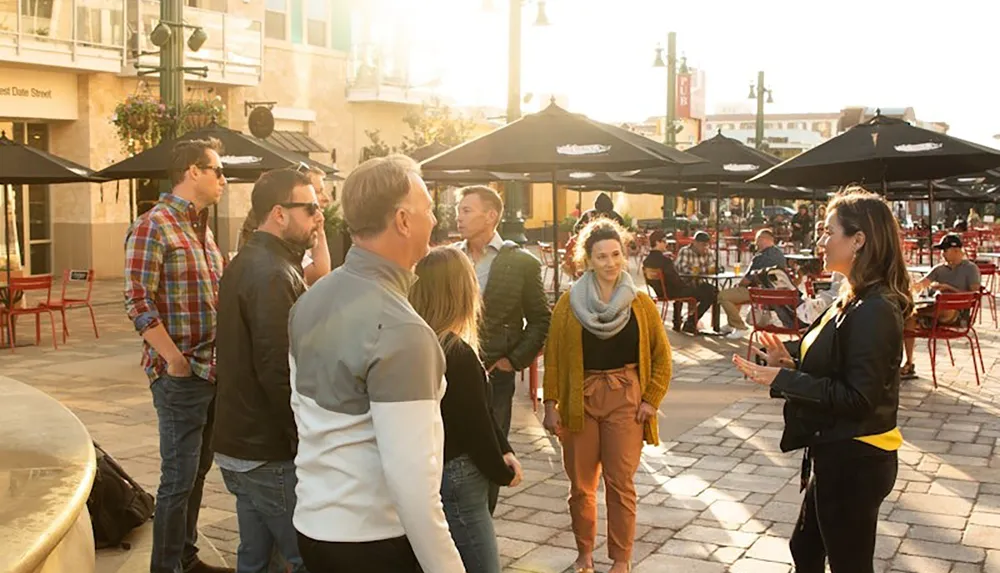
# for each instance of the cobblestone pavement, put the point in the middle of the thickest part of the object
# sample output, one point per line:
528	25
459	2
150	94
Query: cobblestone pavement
717	496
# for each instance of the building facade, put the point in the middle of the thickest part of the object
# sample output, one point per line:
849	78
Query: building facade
66	64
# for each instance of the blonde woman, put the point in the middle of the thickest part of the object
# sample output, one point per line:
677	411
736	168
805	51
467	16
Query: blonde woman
475	450
607	367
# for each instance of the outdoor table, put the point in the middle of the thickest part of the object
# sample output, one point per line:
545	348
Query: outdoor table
919	269
801	257
988	255
721	281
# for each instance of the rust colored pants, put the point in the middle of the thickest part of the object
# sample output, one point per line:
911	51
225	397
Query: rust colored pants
610	443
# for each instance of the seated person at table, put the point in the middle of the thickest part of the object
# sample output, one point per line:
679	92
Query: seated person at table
956	274
695	254
768	255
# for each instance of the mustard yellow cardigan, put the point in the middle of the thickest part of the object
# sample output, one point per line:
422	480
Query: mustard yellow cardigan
564	362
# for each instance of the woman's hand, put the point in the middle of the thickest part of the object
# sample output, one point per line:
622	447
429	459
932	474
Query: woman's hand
763	375
551	422
511	460
774	353
646	411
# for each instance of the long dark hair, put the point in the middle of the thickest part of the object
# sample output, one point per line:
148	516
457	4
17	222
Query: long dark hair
879	263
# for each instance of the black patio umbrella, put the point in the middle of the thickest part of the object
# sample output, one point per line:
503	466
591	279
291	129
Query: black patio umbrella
23	165
553	140
244	157
728	161
882	150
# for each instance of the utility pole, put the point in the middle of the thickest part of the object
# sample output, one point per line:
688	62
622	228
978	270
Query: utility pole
512	227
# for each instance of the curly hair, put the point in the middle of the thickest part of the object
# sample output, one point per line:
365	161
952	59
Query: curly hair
600	229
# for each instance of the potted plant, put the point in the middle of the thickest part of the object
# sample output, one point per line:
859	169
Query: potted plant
201	113
566	229
139	121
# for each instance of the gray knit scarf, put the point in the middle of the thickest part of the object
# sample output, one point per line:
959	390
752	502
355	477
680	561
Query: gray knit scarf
602	319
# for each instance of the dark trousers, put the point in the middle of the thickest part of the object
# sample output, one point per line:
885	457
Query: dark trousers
502	397
384	556
185	413
840	513
704	292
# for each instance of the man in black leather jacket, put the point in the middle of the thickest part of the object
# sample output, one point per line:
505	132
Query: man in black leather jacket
255	437
515	308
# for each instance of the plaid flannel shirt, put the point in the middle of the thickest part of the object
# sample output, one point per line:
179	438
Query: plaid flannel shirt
172	271
688	259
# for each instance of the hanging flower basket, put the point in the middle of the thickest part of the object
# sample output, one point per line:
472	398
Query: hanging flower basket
202	113
142	121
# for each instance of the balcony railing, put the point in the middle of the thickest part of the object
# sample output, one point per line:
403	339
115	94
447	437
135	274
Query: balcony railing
233	53
376	77
78	34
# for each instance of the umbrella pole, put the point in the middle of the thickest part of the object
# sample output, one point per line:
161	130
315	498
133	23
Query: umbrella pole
6	235
555	234
718	222
930	206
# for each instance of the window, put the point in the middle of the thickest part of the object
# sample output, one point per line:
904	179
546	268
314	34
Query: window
276	20
298	21
317	23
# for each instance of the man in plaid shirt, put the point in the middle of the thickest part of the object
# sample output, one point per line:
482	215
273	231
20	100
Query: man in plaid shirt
172	271
696	259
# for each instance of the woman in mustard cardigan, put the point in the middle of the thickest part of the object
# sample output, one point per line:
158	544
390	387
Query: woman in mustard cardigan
607	367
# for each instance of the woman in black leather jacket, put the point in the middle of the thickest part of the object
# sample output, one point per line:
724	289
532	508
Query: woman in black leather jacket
841	388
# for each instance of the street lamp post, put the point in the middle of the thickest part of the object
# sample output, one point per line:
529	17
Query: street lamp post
758	92
512	225
168	36
669	131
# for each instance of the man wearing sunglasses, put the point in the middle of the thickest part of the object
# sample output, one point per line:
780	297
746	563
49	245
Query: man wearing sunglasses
172	270
255	435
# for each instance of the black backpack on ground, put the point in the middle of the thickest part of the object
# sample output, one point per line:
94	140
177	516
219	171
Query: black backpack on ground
117	504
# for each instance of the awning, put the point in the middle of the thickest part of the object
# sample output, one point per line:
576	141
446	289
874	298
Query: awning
295	141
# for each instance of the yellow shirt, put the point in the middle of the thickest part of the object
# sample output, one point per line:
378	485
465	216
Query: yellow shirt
889	441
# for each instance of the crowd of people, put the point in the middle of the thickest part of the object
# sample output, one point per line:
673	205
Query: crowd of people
361	420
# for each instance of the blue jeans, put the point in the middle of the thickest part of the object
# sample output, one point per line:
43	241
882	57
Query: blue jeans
464	493
265	501
185	411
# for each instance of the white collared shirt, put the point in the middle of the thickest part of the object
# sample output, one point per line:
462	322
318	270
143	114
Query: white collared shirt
485	262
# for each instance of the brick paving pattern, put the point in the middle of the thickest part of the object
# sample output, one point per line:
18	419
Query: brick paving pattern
718	496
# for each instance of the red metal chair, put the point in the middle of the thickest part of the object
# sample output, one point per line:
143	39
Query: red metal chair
765	300
987	285
25	285
67	303
656	275
968	302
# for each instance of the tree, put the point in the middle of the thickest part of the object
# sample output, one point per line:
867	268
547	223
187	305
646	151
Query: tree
377	146
433	122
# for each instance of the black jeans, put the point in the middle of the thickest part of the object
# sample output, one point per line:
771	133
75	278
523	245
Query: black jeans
840	512
384	556
704	292
502	397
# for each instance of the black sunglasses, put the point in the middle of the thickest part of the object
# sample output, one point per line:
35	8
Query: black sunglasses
218	170
311	208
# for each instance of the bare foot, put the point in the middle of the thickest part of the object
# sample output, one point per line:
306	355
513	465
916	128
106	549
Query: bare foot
584	561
